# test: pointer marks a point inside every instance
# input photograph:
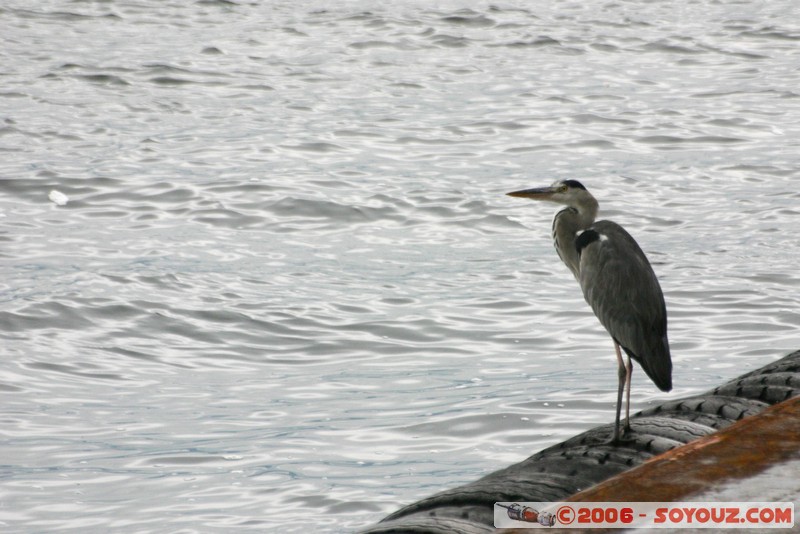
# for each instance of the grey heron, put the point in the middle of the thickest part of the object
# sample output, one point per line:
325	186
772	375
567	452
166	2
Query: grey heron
617	282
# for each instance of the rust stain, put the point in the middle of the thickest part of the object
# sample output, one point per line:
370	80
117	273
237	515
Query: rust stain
738	452
689	448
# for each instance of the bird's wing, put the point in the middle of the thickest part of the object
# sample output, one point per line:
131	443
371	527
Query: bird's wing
622	289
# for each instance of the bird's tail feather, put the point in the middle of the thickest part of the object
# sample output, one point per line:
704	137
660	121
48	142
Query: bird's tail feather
657	363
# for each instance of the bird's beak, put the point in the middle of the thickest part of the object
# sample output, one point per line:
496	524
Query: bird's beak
537	193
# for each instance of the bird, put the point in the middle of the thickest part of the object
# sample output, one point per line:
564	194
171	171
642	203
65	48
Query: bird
618	283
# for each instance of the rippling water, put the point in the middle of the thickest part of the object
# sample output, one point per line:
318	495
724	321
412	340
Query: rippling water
258	270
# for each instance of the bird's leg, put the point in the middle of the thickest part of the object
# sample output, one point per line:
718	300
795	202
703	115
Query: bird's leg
622	373
628	375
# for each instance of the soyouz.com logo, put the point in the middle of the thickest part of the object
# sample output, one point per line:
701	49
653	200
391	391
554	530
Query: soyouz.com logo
644	514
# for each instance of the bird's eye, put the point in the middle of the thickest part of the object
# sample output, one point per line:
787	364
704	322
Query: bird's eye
563	189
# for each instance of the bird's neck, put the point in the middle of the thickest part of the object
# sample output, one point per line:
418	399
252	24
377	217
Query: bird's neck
566	225
585	213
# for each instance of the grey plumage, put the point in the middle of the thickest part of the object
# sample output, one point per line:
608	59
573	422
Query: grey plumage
621	287
617	281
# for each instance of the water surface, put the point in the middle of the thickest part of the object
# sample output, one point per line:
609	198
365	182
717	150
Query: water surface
279	287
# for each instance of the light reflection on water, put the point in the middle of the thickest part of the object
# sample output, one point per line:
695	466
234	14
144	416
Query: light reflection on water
287	291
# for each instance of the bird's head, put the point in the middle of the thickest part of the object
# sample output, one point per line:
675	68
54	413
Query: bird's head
571	193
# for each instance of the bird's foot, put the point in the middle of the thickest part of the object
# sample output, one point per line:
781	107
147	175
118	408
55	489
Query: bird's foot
618	438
